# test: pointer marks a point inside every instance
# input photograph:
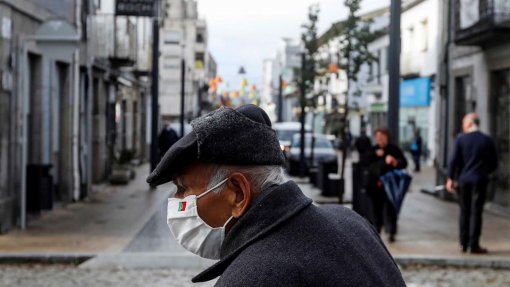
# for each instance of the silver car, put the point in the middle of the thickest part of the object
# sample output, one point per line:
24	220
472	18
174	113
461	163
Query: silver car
323	152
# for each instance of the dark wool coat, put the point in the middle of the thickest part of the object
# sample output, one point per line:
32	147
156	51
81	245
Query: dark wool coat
375	167
284	240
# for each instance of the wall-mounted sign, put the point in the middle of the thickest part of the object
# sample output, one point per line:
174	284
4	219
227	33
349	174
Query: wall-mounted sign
142	8
415	92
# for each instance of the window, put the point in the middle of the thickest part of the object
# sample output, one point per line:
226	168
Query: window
425	36
199	61
200	38
378	63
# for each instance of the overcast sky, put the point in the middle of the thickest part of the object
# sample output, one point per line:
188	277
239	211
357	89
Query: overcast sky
244	33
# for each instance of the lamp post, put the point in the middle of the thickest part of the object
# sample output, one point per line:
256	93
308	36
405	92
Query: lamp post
155	87
394	71
302	98
183	88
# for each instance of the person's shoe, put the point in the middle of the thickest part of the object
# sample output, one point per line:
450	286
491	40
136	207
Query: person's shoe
391	238
463	249
478	250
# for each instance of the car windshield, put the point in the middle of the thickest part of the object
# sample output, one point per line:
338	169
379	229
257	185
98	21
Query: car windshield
285	135
319	142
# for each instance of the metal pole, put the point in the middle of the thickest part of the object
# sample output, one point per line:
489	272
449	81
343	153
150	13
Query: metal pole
446	88
280	99
24	133
394	71
155	87
200	88
183	90
302	164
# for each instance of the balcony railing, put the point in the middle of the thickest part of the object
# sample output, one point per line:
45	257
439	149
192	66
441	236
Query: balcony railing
486	25
115	39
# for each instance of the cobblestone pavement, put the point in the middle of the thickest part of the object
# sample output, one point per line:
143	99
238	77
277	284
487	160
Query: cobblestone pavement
65	275
433	276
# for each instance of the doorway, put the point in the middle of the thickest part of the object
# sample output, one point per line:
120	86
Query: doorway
500	129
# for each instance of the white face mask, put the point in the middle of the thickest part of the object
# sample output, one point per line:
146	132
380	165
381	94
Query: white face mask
190	230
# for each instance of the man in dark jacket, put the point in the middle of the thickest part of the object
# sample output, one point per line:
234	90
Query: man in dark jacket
363	143
473	159
233	203
167	137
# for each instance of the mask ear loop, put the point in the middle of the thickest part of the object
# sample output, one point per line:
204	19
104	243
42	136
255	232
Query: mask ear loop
213	188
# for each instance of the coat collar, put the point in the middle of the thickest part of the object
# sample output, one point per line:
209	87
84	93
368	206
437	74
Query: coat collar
269	210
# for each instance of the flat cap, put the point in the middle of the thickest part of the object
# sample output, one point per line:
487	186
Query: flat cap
241	136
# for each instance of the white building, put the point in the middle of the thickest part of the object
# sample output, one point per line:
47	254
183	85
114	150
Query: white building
287	59
335	84
420	48
183	36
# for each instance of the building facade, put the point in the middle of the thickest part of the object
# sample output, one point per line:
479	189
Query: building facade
184	36
475	78
72	99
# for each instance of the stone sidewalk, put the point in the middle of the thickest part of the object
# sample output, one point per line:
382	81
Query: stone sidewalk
105	222
108	221
428	227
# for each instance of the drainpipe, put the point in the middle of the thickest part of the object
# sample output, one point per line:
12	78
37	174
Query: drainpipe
23	109
90	62
76	107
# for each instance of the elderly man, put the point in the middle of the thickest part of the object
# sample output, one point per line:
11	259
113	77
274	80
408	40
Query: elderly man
233	203
473	159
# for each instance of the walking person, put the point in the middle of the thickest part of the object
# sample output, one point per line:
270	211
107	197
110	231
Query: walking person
382	157
363	143
167	137
473	159
416	149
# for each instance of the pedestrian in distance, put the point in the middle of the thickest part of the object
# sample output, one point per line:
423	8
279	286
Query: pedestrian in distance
382	158
234	204
167	137
472	160
363	143
416	149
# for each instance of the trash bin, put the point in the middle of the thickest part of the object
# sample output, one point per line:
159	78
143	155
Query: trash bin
312	174
361	202
325	168
39	187
332	188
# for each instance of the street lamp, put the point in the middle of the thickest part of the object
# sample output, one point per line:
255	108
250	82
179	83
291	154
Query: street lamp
302	99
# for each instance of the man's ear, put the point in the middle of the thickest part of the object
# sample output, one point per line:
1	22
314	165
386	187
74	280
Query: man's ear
240	199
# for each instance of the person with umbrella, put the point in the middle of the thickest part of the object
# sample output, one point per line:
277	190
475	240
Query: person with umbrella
384	157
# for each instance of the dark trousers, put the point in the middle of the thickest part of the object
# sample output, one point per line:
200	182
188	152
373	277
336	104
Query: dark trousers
416	159
471	199
383	212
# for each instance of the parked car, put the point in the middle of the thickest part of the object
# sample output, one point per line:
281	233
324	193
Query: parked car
285	131
323	152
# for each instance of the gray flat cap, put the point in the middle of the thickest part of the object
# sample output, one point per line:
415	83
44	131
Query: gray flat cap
225	136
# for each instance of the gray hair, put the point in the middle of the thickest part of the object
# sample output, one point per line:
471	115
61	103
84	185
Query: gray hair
260	177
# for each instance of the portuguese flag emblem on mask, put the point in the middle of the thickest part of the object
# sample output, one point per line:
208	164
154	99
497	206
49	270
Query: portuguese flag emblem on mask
182	206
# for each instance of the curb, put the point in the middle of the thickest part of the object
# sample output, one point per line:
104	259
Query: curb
144	260
59	258
454	261
184	260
